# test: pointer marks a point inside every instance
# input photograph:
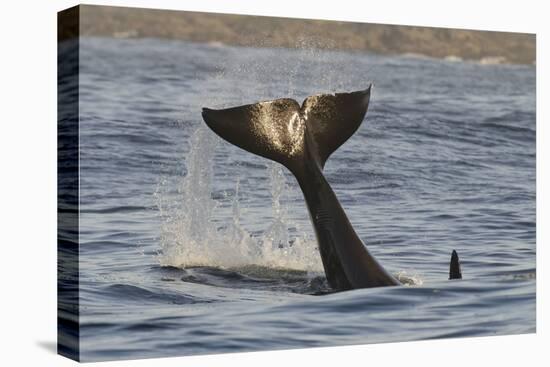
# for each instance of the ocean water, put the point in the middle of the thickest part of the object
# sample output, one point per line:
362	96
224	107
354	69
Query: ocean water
190	245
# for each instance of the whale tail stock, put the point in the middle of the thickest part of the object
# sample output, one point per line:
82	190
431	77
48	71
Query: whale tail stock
302	138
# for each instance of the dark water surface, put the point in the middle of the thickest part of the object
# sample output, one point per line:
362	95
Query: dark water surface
190	245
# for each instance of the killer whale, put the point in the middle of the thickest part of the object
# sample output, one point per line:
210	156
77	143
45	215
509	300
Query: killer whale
302	137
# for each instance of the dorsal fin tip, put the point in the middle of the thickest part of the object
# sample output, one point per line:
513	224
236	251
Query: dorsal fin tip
454	268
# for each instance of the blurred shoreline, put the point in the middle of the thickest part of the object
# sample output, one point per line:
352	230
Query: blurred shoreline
487	47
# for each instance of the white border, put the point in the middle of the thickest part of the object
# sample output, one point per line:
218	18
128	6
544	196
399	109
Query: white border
28	153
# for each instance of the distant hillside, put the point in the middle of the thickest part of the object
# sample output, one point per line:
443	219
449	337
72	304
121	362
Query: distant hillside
518	48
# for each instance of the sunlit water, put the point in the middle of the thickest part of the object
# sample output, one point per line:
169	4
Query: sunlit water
190	245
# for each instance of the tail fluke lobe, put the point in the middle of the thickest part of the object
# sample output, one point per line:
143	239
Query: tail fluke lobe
331	119
271	129
282	130
454	268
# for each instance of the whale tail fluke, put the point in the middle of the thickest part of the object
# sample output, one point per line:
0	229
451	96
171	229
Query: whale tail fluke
284	131
454	269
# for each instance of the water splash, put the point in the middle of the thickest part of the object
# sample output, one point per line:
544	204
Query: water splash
278	246
277	233
193	234
409	279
